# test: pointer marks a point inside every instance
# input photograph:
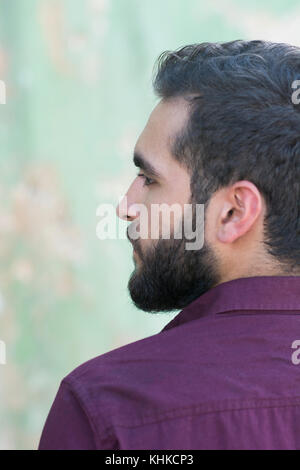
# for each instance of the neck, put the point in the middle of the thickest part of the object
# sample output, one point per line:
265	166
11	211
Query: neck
267	267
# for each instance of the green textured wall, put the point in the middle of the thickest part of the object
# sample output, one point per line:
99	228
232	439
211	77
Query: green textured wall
78	77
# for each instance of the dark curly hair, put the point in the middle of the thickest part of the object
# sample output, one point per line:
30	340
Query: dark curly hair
242	124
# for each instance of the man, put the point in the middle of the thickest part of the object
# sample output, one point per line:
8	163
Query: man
224	373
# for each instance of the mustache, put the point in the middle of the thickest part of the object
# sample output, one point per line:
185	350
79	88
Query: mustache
135	243
131	240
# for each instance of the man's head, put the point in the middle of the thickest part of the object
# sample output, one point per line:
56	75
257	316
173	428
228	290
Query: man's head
225	134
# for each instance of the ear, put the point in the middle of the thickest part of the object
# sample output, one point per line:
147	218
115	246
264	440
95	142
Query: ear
241	206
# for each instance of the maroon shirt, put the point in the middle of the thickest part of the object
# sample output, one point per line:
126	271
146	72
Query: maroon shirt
223	374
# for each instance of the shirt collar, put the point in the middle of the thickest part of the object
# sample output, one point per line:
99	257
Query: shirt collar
251	293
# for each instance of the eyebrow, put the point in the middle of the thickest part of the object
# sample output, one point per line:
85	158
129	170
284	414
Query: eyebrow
143	164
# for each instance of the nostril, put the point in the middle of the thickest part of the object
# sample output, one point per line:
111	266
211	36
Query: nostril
122	208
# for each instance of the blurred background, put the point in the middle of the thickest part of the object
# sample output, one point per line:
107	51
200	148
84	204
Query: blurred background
78	93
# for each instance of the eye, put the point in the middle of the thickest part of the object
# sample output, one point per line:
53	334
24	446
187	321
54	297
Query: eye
148	181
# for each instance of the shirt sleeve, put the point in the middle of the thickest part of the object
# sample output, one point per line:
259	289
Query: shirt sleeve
67	426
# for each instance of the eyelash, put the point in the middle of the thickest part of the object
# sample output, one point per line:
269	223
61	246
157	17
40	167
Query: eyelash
148	181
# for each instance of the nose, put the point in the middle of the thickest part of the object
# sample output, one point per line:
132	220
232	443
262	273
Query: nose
127	211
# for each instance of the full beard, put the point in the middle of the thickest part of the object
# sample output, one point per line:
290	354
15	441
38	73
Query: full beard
168	277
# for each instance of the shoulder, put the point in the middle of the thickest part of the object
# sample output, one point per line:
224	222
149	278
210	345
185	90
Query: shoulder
142	358
120	385
117	362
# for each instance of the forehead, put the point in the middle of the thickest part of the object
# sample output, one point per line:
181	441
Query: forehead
165	121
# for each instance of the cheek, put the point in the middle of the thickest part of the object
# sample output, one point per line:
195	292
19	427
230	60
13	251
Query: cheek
211	224
177	193
161	220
